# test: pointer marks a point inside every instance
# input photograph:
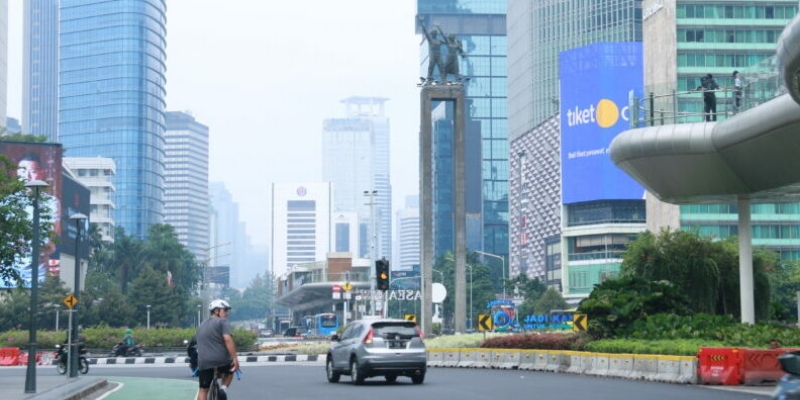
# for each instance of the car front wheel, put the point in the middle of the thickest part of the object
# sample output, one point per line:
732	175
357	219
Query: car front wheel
333	376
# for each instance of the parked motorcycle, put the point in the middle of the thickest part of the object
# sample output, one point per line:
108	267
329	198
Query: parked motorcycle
788	387
62	358
131	351
191	351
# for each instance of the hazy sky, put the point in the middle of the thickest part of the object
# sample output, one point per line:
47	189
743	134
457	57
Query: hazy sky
263	75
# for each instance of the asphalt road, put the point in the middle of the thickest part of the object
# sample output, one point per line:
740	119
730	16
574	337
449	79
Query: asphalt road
307	381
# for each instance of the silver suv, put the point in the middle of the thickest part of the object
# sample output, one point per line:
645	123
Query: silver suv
375	347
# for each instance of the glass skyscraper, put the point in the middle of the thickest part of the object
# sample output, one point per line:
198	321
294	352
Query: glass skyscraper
40	66
481	27
186	198
568	254
111	98
355	158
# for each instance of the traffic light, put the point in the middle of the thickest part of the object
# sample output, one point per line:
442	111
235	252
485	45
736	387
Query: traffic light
382	274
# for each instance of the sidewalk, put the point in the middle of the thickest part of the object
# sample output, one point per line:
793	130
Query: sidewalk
117	388
50	387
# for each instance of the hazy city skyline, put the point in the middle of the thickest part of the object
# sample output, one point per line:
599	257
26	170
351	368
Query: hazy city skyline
266	76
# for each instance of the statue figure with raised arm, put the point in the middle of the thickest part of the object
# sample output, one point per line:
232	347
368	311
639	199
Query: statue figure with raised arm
454	49
435	43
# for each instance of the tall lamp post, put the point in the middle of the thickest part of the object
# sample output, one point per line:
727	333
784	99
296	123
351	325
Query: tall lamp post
30	376
76	290
504	267
372	256
148	317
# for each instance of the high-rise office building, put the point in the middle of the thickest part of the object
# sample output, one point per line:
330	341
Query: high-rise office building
538	34
111	98
741	38
407	241
186	197
228	244
13	126
480	25
97	174
3	61
40	68
355	158
301	223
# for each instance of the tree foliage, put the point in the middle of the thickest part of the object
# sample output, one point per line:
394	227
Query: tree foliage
16	230
705	270
616	304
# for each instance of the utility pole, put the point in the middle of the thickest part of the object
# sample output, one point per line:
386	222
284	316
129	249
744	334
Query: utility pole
372	255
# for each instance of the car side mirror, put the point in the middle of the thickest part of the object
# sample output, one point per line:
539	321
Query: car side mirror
335	338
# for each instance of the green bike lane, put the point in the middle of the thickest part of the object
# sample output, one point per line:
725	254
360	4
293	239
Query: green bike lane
129	388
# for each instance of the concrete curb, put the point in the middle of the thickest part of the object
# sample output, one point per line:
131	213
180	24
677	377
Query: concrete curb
74	390
185	360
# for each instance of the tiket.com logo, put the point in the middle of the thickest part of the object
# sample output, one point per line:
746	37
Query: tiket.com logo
605	114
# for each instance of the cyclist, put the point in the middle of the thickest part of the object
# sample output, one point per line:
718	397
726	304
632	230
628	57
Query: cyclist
215	350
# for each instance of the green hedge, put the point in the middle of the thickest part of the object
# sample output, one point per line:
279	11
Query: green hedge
104	337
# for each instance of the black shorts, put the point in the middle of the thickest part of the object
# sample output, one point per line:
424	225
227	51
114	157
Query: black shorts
206	375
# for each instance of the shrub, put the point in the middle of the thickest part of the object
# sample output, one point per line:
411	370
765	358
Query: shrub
538	341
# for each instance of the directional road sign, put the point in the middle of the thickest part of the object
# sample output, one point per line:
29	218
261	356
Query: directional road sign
579	322
485	323
70	301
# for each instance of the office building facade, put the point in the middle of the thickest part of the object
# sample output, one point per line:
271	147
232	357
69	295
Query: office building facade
186	197
301	223
741	38
355	159
407	240
97	174
481	28
228	245
111	98
3	61
40	68
552	237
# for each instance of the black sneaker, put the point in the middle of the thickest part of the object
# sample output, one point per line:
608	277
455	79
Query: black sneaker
221	395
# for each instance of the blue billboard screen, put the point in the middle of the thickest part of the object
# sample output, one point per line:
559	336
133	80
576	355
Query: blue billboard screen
596	82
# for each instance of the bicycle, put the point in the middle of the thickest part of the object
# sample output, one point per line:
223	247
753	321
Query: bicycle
214	390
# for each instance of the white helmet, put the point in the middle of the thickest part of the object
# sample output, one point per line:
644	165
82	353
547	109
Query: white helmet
218	303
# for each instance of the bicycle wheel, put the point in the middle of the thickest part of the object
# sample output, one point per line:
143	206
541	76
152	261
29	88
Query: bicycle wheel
213	390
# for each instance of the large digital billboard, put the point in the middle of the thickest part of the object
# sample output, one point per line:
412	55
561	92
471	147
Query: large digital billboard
39	161
596	83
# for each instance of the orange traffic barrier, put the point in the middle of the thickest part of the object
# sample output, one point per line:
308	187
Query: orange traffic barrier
761	367
9	356
720	366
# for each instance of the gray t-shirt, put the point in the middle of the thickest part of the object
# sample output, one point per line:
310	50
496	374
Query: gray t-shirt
211	351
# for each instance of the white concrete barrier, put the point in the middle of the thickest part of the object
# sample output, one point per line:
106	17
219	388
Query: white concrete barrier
688	370
505	359
467	358
669	369
436	357
527	359
450	358
620	365
645	367
577	362
598	364
483	359
558	361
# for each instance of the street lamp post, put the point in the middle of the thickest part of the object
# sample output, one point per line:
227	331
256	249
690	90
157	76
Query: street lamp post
503	260
148	317
199	307
372	256
76	290
471	311
30	376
